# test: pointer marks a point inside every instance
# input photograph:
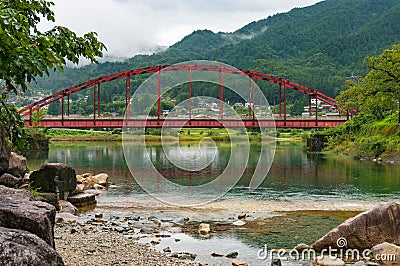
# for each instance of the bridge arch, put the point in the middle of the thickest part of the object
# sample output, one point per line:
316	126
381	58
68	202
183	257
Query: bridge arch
95	84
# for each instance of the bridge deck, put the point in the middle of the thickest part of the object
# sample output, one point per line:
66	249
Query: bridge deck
195	123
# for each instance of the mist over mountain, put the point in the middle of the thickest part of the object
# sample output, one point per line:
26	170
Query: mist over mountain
318	46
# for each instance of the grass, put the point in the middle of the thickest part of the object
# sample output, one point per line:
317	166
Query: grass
362	137
187	135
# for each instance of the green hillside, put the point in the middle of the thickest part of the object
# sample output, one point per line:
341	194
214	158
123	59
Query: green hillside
318	46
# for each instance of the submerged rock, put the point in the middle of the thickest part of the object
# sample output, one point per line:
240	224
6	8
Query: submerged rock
18	247
276	262
381	224
204	229
239	263
232	255
239	223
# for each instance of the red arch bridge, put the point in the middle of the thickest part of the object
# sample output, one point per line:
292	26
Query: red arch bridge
97	121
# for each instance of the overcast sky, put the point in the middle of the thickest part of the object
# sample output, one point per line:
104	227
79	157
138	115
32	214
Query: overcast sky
129	27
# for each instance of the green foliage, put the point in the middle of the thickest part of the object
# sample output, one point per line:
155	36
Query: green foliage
33	190
14	125
318	46
26	52
36	139
38	116
364	136
379	92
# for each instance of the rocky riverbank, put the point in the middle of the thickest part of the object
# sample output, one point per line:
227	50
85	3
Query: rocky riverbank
94	243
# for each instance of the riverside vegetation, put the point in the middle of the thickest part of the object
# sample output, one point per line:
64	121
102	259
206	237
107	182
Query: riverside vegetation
375	131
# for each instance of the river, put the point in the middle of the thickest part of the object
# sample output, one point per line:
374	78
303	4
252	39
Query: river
303	197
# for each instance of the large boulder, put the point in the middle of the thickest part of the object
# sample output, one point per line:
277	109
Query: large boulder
370	228
4	151
55	178
9	180
17	165
18	247
20	210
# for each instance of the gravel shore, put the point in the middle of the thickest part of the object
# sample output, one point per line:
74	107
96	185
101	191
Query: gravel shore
87	244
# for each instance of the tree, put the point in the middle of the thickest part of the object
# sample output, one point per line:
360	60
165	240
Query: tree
379	91
26	52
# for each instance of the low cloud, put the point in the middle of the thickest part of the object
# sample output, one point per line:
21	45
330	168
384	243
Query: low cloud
129	27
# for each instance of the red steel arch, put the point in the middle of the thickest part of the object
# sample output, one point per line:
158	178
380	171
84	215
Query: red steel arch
95	84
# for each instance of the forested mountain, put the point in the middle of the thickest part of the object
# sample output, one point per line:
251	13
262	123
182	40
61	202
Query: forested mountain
318	46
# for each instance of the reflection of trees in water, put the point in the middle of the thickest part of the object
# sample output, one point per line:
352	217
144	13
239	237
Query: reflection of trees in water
36	159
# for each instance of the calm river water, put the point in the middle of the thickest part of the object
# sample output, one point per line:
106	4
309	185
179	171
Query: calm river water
303	197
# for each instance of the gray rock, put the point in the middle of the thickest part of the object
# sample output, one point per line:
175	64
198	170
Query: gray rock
51	198
67	207
184	255
301	247
239	263
386	254
65	217
93	191
20	210
145	230
328	261
102	179
4	151
232	255
276	262
55	178
167	250
204	229
82	199
360	263
17	165
19	247
366	229
242	216
9	180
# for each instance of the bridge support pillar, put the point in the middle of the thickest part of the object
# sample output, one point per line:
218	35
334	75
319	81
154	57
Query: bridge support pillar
190	94
221	94
310	106
98	100
68	106
159	94
30	116
316	112
284	104
62	110
251	100
280	100
127	96
94	104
